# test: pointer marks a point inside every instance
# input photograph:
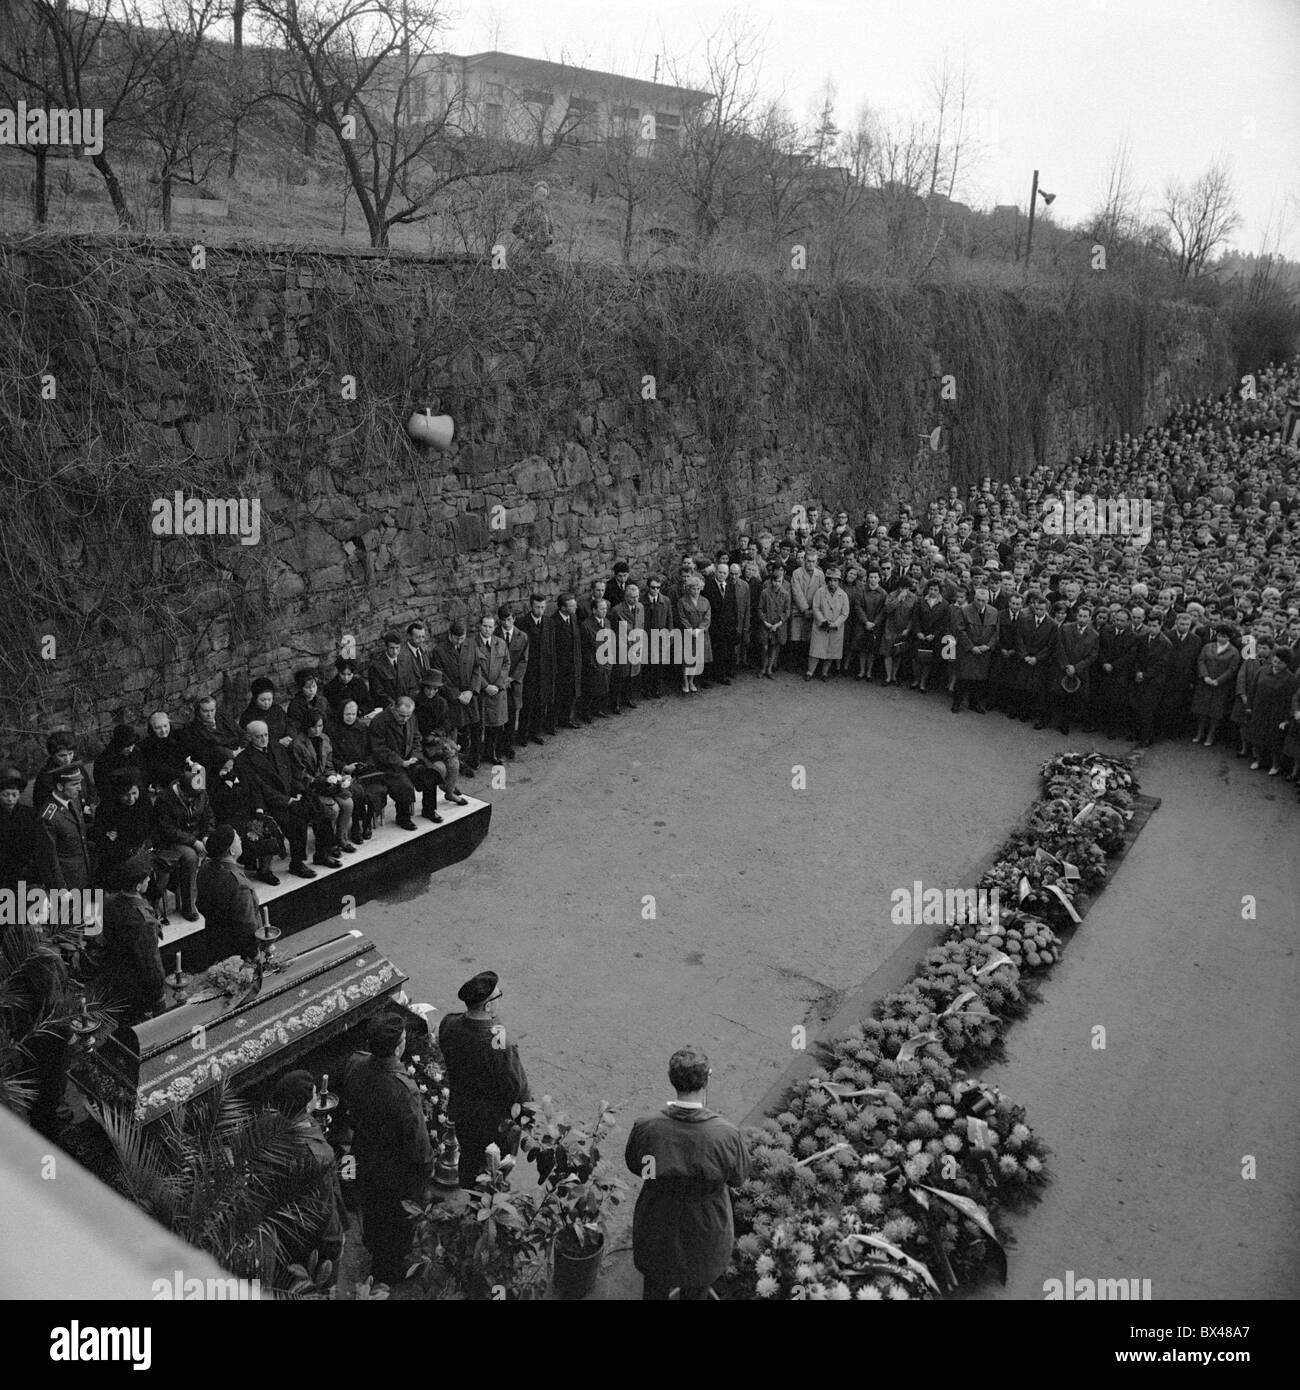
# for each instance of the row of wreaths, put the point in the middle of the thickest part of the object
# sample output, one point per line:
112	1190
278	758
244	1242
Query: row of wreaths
891	1173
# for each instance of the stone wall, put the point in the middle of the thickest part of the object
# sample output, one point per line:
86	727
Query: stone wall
231	381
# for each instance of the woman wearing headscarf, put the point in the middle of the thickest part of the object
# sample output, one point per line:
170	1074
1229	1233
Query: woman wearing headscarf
352	756
693	617
122	750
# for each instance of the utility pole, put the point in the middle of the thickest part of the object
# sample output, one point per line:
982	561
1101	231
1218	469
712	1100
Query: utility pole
1033	199
656	67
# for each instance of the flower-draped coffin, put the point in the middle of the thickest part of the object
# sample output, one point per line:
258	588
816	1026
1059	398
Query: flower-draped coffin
890	1173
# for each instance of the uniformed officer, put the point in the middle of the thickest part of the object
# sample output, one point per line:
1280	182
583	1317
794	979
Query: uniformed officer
391	1143
64	823
484	1074
226	899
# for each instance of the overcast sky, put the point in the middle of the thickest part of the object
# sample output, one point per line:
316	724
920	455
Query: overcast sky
1056	84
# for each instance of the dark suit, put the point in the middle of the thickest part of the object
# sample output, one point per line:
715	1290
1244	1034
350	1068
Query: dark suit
537	714
384	681
338	692
724	627
1110	700
1036	639
1180	681
131	968
391	742
213	745
394	1157
517	647
567	644
658	618
485	1082
182	817
273	781
460	667
412	663
228	903
974	629
1077	647
24	850
1151	658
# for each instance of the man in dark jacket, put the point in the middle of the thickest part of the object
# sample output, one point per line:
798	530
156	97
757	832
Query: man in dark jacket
396	750
295	1097
227	900
391	1144
724	621
383	676
182	818
211	738
1180	681
454	656
567	644
279	792
1151	655
484	1074
976	630
687	1156
1035	645
537	715
24	853
131	969
1070	684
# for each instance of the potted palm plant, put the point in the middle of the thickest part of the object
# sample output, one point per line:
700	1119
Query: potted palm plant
578	1186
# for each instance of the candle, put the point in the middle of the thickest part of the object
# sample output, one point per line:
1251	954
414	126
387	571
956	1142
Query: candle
178	965
325	1084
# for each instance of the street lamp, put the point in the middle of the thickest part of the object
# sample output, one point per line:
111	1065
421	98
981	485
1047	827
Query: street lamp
1049	199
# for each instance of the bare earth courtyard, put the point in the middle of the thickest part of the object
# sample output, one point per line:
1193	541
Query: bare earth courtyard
770	903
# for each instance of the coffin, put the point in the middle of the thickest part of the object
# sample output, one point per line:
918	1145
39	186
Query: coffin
332	980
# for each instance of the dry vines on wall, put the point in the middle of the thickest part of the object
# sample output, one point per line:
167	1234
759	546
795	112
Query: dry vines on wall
232	380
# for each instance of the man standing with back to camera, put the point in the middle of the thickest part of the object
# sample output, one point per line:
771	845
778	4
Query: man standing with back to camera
687	1156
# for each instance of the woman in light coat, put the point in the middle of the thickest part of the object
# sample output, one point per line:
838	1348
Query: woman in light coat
694	616
830	608
1216	679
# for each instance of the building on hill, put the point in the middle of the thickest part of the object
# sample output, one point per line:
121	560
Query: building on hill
502	96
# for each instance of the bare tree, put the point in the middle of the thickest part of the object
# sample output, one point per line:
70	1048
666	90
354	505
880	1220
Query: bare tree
624	171
81	59
178	116
1201	217
779	191
365	71
1117	219
708	163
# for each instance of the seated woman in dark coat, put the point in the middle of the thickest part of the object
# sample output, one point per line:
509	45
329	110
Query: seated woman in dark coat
262	706
124	824
351	756
122	750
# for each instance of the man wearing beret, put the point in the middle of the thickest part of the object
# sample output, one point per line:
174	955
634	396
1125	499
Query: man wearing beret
391	1141
484	1074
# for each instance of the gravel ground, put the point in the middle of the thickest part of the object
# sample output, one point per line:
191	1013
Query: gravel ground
770	903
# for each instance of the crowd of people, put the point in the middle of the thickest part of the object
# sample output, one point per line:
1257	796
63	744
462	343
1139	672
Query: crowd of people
1185	628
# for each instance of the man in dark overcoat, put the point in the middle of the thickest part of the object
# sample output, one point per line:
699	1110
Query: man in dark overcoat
687	1157
537	715
976	631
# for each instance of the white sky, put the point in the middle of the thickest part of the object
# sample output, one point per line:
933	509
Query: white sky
1056	83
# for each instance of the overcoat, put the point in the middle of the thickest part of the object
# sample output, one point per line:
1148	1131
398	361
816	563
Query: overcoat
694	613
802	588
539	678
774	607
628	618
492	662
682	1228
459	665
827	643
1077	647
1214	701
390	1138
973	629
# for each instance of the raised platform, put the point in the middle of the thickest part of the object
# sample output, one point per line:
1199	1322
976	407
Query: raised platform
388	857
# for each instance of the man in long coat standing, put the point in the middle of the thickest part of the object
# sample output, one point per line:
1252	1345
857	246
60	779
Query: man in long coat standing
976	631
830	618
492	659
484	1074
455	657
391	1141
567	645
804	583
687	1156
538	713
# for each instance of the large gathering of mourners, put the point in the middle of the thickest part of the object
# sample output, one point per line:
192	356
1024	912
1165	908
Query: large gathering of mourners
1148	589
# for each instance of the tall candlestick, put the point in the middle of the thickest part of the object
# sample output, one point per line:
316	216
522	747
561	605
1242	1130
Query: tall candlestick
178	962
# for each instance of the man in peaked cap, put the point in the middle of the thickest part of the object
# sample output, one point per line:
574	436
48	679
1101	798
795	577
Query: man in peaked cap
484	1074
64	822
